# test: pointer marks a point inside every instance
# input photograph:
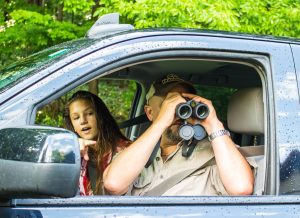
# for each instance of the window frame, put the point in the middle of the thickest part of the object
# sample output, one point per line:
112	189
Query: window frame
243	58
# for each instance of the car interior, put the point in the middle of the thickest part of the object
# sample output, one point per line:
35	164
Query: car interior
235	87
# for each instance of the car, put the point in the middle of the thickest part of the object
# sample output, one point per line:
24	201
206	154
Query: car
252	80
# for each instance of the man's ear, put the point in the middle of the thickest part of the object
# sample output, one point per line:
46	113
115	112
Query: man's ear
148	110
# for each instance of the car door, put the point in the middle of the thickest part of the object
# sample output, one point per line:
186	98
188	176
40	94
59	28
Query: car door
109	55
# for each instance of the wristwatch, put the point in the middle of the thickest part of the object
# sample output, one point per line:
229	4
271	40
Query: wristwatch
218	133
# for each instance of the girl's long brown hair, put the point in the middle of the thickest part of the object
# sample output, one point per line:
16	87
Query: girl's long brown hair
109	133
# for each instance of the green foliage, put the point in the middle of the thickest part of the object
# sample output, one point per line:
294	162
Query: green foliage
279	18
2	12
28	32
45	117
272	17
118	96
219	96
77	11
77	6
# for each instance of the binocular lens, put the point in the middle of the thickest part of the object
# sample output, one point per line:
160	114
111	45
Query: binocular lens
201	111
184	111
200	132
186	132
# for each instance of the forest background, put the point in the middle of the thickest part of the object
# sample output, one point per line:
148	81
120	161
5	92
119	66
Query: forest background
28	26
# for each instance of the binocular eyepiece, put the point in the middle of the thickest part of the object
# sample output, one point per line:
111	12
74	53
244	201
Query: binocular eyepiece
192	108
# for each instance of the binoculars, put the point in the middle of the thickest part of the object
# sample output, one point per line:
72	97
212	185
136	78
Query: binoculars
192	108
196	110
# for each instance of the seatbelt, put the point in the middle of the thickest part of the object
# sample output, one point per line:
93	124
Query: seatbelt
175	179
153	154
134	121
172	181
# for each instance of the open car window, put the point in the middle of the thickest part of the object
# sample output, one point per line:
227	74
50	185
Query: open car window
218	82
118	95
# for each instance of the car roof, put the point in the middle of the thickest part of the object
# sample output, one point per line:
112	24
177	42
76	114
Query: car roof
87	45
200	32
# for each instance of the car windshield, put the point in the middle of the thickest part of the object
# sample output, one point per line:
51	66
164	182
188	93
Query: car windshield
29	66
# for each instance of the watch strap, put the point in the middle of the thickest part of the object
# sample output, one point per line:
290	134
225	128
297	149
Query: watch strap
218	133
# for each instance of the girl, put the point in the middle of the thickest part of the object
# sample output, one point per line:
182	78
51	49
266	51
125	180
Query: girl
100	138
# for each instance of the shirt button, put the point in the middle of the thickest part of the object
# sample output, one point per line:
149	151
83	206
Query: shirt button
157	158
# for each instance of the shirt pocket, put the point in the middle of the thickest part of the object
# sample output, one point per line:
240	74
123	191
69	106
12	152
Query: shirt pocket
142	181
198	172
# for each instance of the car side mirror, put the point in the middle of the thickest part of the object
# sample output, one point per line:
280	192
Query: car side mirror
38	161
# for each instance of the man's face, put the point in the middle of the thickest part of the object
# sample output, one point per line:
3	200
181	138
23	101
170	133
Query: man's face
155	104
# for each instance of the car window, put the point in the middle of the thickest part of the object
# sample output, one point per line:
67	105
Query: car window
118	95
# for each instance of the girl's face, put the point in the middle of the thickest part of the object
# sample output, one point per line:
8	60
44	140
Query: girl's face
83	118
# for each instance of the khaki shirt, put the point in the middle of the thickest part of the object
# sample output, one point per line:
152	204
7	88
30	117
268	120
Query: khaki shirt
204	181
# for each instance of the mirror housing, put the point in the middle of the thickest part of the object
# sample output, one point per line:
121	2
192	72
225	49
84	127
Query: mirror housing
38	161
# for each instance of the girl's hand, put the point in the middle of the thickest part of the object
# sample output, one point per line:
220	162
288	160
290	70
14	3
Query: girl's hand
84	147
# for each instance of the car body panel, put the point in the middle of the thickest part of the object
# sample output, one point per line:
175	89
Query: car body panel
263	206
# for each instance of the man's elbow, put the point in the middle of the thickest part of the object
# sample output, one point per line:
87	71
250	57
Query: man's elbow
244	189
113	187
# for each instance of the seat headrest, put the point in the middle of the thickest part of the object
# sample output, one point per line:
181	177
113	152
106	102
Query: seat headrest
246	112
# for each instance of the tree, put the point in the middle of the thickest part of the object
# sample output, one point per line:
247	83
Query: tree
272	17
37	25
28	32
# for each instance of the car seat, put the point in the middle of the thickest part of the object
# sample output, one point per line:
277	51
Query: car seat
245	116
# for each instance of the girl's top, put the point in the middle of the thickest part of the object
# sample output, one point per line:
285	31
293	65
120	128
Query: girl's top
84	179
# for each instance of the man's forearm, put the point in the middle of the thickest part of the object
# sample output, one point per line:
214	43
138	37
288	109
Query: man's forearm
126	167
235	172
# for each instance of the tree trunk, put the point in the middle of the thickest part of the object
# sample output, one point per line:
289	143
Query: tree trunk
93	87
36	2
43	5
94	8
60	12
5	11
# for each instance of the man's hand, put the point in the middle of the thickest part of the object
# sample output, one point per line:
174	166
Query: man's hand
211	123
167	111
84	147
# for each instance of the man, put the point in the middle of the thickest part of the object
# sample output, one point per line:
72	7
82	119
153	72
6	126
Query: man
220	167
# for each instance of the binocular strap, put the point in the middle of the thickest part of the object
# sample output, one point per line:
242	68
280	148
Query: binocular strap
188	147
